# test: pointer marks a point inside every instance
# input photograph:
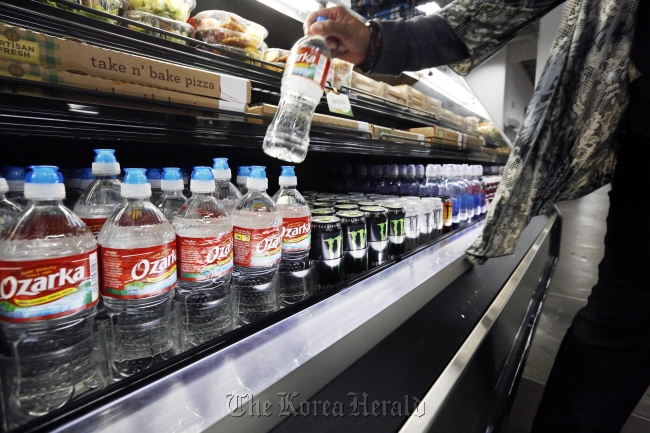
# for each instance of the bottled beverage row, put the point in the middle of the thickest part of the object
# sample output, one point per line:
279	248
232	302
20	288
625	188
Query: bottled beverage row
176	272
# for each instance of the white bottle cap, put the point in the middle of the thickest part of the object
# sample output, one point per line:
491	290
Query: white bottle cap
17	185
221	170
44	182
155	183
257	179
241	180
135	184
202	186
172	185
3	185
287	181
105	163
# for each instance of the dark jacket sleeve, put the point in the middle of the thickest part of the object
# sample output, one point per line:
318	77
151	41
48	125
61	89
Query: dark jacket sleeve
464	34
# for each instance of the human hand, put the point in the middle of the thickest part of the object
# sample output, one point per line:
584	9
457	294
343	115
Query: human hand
347	37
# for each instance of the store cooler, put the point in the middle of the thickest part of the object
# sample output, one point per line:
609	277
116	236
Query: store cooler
445	339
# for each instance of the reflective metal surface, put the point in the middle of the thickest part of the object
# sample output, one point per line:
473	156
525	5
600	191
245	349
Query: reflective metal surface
196	397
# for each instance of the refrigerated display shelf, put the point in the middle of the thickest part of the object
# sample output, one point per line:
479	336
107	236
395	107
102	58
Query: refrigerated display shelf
33	116
265	82
116	391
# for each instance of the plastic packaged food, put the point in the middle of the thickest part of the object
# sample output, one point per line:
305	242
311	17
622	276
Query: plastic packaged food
230	32
108	6
178	10
178	27
342	73
278	56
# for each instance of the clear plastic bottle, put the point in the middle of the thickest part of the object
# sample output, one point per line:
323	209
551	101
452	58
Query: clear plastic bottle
430	187
16	181
172	198
420	174
102	196
450	187
302	89
227	193
205	262
186	183
410	186
49	280
296	239
476	186
258	247
469	191
8	209
402	172
138	247
376	184
242	177
87	177
479	176
392	183
73	190
154	176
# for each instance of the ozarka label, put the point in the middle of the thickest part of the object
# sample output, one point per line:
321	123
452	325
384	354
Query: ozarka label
296	234
47	289
132	273
94	224
257	247
310	63
201	259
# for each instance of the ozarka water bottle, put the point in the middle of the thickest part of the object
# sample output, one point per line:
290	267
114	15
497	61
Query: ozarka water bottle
257	245
205	261
138	248
172	198
302	88
48	297
227	193
296	238
102	196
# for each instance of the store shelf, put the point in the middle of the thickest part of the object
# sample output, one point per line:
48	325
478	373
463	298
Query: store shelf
34	116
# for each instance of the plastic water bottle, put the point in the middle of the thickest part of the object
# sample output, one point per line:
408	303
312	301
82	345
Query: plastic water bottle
479	173
392	183
227	193
420	173
86	179
102	196
296	238
450	187
469	191
154	176
73	190
376	183
172	198
257	246
138	247
302	88
205	262
16	182
402	172
8	209
476	186
410	185
242	177
49	280
430	186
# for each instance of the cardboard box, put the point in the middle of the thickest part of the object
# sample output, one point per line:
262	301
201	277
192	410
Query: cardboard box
411	138
36	73
415	98
473	142
398	94
54	53
434	106
318	119
439	133
365	84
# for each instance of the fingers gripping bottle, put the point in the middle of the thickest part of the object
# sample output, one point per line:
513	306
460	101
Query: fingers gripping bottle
49	281
8	209
302	88
205	262
296	239
172	198
138	247
102	196
257	232
227	193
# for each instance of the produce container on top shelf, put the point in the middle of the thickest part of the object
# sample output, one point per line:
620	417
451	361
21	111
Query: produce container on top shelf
177	10
230	32
178	27
109	6
277	56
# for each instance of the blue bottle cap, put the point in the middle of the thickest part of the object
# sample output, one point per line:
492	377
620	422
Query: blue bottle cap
44	182
288	171
220	164
220	169
258	172
153	173
244	170
172	173
16	173
321	18
105	155
410	170
136	176
44	174
202	180
87	174
257	180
